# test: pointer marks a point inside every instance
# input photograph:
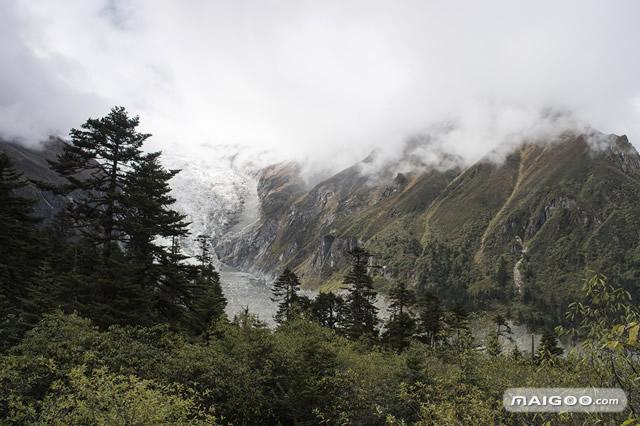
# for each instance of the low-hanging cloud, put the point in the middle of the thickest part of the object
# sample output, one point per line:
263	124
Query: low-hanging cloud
328	80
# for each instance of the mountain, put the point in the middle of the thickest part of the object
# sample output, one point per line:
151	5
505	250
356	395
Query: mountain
216	190
32	162
519	232
213	189
516	231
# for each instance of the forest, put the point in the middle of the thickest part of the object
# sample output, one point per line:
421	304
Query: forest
105	320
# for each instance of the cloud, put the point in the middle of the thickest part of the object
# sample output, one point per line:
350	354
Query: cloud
327	81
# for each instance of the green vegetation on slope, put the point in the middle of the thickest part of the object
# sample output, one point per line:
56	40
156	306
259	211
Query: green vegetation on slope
550	212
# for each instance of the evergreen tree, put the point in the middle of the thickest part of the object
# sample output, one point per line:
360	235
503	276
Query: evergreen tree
96	165
206	299
401	325
516	354
492	344
360	318
501	277
177	285
327	309
70	262
401	299
204	252
455	330
19	248
445	271
548	349
429	318
502	326
148	213
285	292
149	222
45	293
61	245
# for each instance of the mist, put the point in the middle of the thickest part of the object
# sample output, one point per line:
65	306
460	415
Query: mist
322	82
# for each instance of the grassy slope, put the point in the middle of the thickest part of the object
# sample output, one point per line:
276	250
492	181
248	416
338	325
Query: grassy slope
572	207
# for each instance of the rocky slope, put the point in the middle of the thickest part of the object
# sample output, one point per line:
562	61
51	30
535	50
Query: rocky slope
548	211
543	214
216	190
33	164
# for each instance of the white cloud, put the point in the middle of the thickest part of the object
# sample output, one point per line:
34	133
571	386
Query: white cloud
330	79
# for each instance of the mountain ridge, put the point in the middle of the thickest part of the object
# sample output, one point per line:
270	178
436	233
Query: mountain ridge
544	215
556	197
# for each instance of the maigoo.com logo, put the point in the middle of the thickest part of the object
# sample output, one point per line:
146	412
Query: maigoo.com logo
563	400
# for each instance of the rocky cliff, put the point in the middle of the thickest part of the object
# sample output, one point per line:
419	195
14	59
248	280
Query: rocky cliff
554	209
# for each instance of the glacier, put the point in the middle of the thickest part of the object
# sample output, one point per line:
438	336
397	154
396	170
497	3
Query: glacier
217	191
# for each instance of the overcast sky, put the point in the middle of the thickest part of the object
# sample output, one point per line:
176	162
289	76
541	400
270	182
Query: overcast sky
331	79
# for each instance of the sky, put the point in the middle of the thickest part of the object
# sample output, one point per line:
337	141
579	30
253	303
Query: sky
327	80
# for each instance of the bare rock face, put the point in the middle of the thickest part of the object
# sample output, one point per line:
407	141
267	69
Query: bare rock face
308	228
277	188
557	196
32	162
624	155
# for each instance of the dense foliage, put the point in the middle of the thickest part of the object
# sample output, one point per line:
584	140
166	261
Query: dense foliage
103	320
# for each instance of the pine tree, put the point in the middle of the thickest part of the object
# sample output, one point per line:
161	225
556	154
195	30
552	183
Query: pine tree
45	293
401	325
501	277
516	354
502	327
327	309
401	299
285	291
203	255
206	299
18	237
176	288
445	271
548	349
360	318
19	248
456	328
429	318
492	344
149	223
148	214
96	165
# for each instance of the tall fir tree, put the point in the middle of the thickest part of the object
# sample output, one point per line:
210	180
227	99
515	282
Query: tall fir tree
360	319
151	227
327	309
429	318
492	344
401	325
45	292
203	255
95	163
206	301
501	278
148	214
456	329
502	326
285	292
175	285
548	349
446	271
20	248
